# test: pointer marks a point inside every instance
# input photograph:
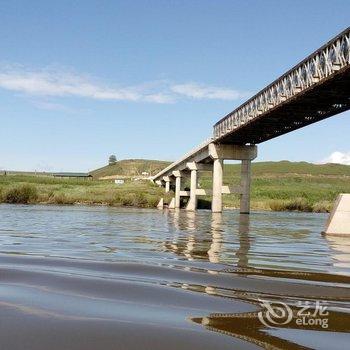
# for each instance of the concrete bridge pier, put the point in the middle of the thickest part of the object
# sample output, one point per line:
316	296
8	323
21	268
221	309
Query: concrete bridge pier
218	170
245	153
178	176
167	181
192	203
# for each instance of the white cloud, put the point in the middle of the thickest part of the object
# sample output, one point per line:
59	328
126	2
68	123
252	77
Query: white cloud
197	91
338	157
58	83
160	98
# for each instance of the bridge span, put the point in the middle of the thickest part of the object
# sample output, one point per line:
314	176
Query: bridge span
316	88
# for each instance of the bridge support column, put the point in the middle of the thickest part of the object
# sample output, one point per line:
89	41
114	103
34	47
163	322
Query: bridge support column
177	175
216	205
245	186
167	183
192	203
245	153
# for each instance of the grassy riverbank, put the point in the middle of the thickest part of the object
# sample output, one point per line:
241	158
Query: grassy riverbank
288	186
48	190
275	186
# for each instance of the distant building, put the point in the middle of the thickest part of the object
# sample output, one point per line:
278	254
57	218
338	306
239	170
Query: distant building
73	175
145	173
119	181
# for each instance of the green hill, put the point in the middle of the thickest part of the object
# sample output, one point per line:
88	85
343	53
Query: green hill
135	167
130	167
292	168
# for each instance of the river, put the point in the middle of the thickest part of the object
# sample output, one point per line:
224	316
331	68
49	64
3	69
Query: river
78	277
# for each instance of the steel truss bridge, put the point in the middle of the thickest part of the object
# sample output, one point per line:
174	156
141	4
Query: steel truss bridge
316	88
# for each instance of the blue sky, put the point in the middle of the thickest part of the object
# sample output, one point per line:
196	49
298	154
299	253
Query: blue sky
80	80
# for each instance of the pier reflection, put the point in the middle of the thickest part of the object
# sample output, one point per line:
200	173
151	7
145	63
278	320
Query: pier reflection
340	246
208	243
216	238
244	241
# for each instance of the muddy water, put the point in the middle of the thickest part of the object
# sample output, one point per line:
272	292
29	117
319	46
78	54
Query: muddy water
106	278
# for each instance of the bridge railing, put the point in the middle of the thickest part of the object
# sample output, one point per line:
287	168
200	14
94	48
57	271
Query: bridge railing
323	63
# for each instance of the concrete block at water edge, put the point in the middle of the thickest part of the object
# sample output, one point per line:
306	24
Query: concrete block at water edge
172	204
339	219
160	205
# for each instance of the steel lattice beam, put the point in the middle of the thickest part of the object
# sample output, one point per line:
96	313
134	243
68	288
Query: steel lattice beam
315	89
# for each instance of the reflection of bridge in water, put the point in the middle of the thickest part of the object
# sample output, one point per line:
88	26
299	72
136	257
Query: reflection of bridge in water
316	88
209	246
194	241
235	248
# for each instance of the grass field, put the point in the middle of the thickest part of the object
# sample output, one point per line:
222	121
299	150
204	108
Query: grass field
289	185
49	190
275	186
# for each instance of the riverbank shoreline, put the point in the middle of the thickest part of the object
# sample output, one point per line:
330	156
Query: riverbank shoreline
268	194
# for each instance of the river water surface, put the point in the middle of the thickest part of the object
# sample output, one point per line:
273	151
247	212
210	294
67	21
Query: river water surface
75	277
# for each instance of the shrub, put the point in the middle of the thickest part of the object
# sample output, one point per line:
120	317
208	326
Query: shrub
297	204
322	207
152	201
128	199
277	205
60	198
141	200
134	199
21	194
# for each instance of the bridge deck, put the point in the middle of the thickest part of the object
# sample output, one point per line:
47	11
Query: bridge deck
315	89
